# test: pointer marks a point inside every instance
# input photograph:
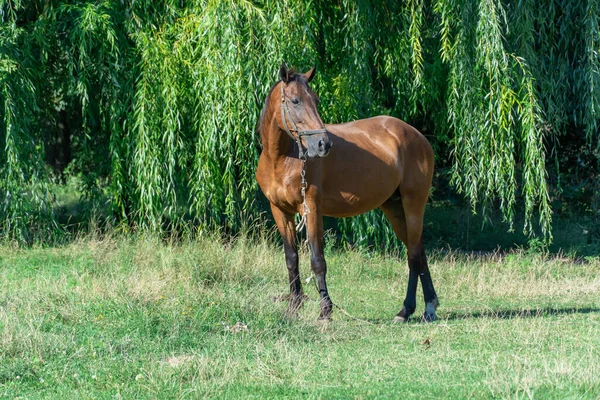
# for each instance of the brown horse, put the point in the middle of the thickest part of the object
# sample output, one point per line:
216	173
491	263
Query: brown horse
376	162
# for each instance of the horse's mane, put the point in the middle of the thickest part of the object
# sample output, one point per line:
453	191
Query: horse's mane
259	125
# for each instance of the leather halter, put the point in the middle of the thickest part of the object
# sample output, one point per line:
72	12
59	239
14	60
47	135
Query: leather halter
287	116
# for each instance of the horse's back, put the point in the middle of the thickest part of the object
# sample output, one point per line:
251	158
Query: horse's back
388	137
371	159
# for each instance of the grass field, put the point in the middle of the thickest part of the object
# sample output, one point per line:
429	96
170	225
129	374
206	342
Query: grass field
138	318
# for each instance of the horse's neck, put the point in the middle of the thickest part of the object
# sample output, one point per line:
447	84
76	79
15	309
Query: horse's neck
276	142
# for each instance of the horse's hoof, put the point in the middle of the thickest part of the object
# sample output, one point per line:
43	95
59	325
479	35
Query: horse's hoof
325	319
429	317
400	320
429	314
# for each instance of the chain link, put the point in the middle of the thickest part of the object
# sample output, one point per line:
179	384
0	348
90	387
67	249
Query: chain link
303	186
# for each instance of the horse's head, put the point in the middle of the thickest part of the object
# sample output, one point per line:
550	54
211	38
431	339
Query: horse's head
299	115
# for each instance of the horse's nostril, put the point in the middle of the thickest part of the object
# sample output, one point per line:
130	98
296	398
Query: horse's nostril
321	144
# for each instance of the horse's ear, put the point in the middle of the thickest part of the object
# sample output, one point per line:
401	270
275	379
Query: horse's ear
283	72
310	74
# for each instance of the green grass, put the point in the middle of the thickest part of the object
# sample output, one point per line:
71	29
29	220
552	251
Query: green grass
138	318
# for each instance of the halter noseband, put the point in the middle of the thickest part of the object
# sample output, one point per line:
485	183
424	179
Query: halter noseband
285	112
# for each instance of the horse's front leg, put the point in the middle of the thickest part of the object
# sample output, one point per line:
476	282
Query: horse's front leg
285	223
317	260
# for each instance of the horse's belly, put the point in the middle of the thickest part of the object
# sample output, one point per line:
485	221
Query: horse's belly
348	204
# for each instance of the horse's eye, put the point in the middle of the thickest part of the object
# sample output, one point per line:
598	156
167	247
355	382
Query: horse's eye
295	101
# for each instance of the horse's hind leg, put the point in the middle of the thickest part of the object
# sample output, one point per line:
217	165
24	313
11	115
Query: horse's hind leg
406	216
394	211
431	299
285	223
414	209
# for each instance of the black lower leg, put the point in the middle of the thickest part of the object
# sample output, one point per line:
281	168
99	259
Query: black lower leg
326	303
317	261
291	257
319	267
431	301
296	295
410	302
428	289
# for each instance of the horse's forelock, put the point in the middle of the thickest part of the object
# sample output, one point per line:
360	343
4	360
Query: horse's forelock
293	74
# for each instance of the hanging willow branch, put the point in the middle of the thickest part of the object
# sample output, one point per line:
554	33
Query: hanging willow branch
592	71
162	98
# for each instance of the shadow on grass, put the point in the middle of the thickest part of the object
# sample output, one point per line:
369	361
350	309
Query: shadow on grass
416	318
522	313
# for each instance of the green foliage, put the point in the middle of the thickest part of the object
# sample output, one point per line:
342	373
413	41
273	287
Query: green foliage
162	98
591	74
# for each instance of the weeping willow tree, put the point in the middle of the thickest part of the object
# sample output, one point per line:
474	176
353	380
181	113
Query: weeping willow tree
154	103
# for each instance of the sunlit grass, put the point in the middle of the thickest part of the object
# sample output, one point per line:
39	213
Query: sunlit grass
140	318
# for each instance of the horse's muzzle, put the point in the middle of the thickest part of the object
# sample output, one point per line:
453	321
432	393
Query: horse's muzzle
318	146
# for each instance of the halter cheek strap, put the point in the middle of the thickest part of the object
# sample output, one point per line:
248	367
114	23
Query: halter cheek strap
287	116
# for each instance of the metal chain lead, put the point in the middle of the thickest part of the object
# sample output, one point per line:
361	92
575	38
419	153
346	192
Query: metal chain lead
285	117
305	210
